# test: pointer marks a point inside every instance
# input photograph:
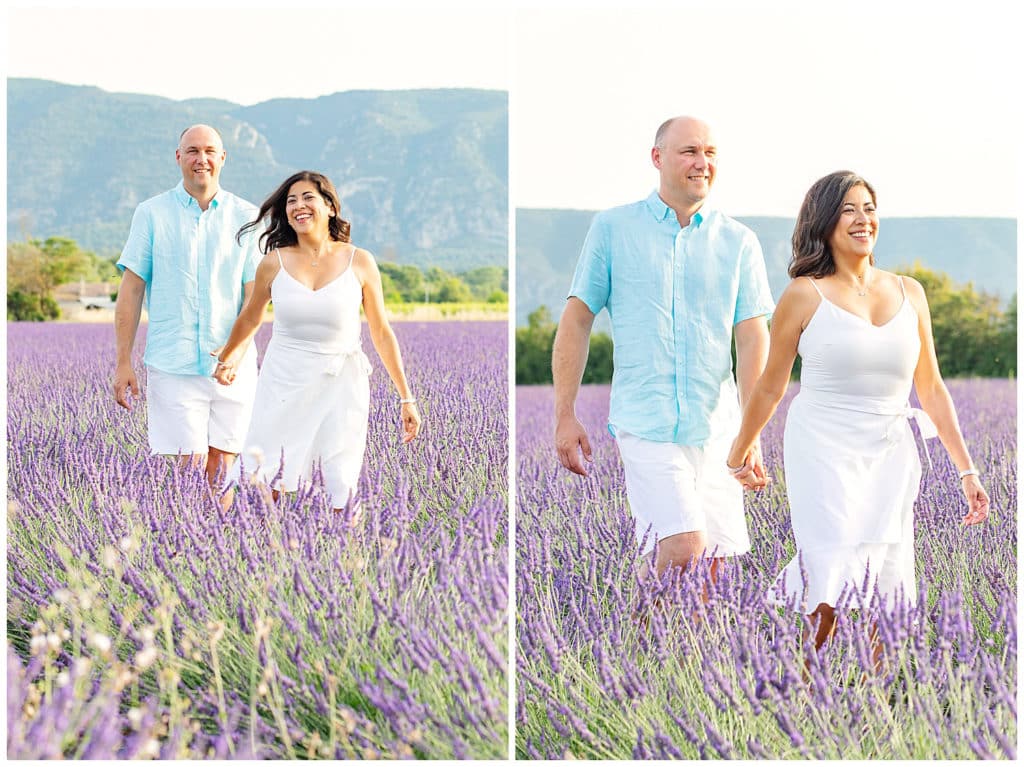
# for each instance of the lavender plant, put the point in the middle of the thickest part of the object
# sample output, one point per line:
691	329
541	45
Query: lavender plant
610	665
145	621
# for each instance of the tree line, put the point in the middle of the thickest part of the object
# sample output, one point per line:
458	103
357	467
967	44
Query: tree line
974	335
35	268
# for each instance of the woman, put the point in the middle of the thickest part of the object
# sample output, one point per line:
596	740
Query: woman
312	397
852	467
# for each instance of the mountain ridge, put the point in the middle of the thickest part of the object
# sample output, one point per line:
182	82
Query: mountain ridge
548	242
422	173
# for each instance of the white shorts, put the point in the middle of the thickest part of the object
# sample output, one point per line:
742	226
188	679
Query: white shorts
676	489
191	413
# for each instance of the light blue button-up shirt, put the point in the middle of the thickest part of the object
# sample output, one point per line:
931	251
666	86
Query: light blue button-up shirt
673	295
195	274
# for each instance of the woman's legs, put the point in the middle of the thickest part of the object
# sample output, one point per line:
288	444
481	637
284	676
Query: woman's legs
824	617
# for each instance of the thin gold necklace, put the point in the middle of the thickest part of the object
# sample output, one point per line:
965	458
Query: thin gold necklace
866	288
316	254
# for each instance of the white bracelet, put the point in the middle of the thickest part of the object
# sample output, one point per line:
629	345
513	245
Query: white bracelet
409	401
969	472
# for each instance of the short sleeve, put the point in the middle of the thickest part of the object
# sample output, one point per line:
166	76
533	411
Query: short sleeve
251	254
138	250
754	298
591	282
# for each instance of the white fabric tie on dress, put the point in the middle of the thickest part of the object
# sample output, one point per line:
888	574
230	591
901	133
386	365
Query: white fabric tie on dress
924	424
337	361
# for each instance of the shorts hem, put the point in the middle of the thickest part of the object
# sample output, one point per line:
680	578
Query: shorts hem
726	552
176	451
235	452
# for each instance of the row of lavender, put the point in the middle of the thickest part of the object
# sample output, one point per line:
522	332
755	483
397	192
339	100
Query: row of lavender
145	621
602	675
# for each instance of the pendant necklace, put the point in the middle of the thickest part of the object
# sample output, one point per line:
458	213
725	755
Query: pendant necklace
863	291
316	256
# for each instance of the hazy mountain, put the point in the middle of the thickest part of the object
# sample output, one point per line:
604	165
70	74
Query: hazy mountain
422	173
978	250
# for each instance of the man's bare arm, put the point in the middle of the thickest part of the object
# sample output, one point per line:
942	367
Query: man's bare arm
127	312
752	341
568	361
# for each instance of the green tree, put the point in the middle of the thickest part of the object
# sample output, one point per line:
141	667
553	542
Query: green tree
21	307
407	279
967	326
63	261
36	267
533	348
1006	343
390	291
485	281
432	281
533	351
599	359
453	290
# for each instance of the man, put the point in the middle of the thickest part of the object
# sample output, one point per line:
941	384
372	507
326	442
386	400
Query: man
182	257
677	278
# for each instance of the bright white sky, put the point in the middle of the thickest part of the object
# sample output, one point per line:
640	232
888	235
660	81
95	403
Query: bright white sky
925	104
255	51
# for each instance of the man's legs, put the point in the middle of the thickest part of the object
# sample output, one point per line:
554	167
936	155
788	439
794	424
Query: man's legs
177	410
679	550
229	416
186	413
682	495
218	463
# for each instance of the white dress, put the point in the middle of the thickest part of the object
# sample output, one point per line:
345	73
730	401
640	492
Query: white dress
313	393
851	460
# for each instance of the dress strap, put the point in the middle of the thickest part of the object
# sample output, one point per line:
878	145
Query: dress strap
902	286
351	257
816	288
278	251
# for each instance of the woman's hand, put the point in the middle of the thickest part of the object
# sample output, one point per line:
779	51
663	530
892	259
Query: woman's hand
226	368
410	422
977	500
746	465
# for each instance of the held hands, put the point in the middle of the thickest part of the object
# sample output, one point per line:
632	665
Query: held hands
977	500
410	422
125	382
747	466
570	439
227	369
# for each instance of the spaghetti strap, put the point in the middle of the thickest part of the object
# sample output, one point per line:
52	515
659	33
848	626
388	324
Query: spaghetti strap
903	287
351	258
816	288
279	260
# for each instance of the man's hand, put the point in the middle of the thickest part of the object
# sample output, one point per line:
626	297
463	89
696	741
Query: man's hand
225	372
752	473
570	439
124	382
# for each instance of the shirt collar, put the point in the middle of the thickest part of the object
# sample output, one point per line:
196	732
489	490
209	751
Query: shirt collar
661	211
185	199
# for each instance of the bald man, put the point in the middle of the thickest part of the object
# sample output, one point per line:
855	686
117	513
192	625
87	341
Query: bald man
183	259
679	279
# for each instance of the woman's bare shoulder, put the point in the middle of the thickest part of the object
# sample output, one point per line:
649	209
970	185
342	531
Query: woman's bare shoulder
364	264
798	302
270	261
800	290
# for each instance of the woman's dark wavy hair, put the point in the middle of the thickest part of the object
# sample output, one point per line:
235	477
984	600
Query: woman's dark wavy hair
818	217
279	233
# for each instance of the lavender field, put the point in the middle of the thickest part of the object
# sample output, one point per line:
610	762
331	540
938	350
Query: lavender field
145	622
726	679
